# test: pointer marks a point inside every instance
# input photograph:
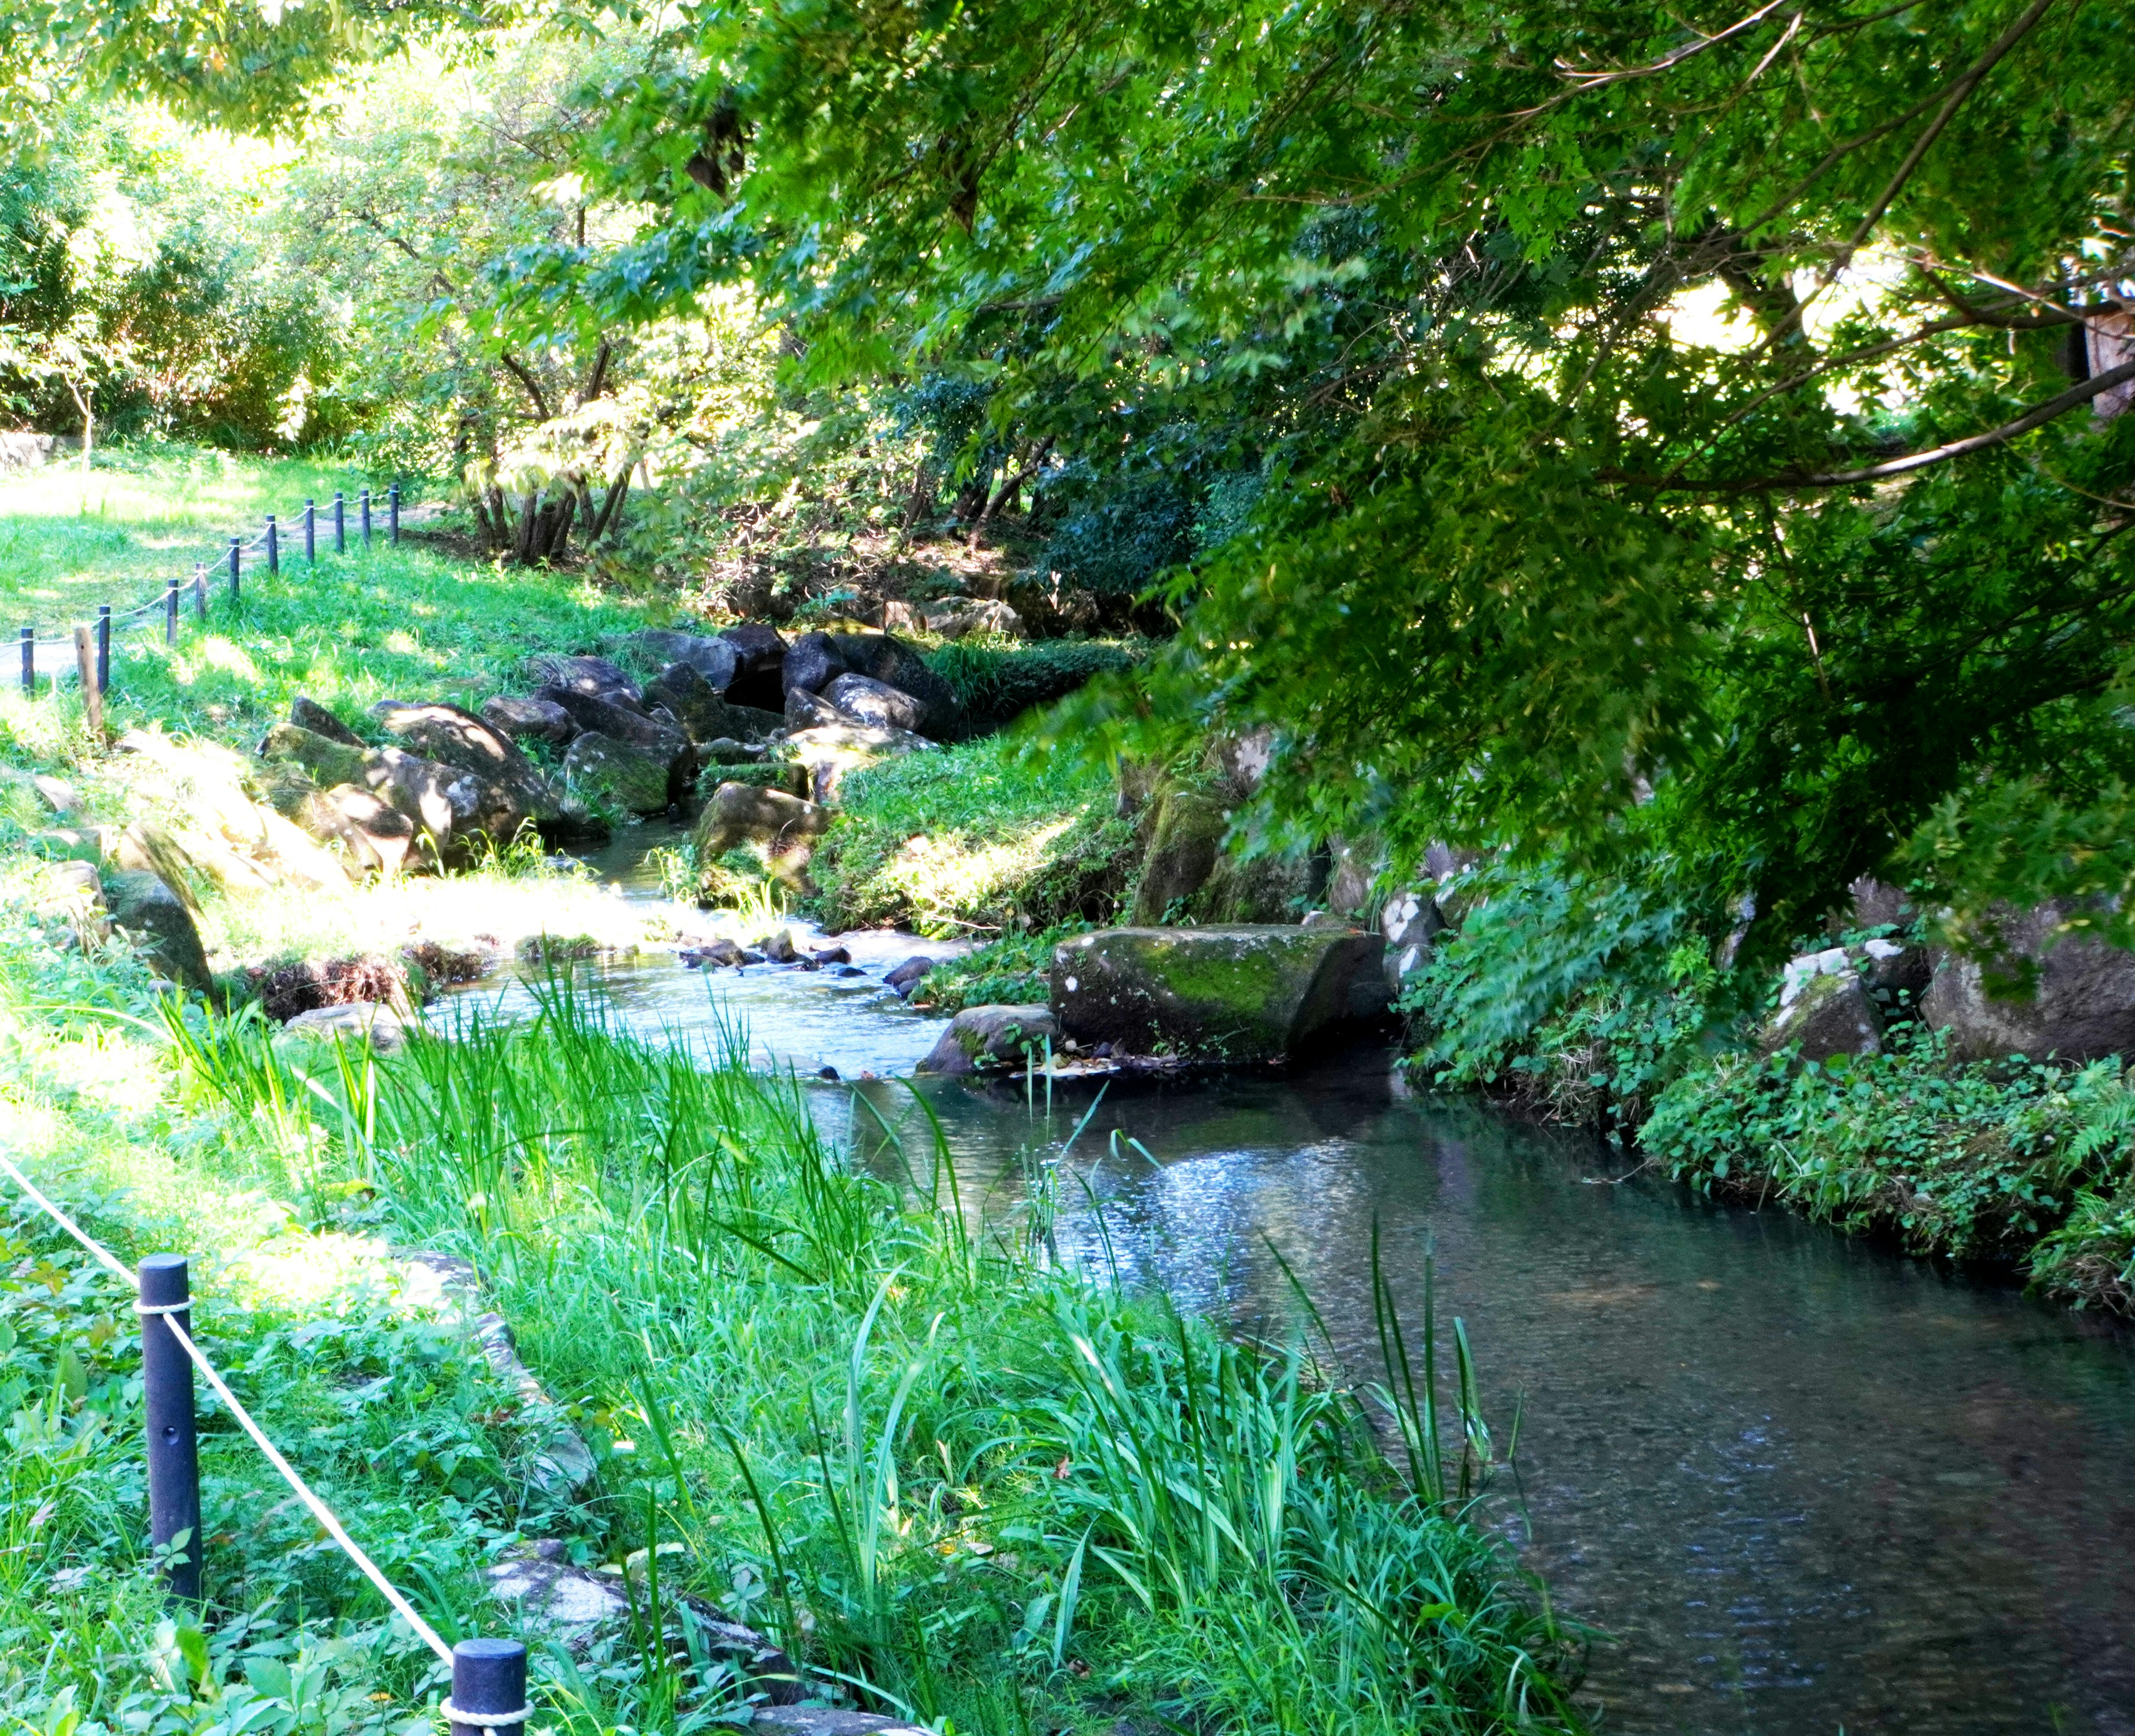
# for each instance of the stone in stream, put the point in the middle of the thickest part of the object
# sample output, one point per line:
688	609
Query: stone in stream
832	752
603	774
715	659
142	907
811	664
377	836
717	952
697	706
308	714
905	977
778	949
619	722
781	829
876	703
523	719
982	1038
1240	994
452	737
355	1021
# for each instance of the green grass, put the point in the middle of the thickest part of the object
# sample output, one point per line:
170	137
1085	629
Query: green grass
997	680
143	513
1000	834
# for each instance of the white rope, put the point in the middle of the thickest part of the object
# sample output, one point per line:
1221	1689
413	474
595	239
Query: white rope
319	1510
145	1309
484	1721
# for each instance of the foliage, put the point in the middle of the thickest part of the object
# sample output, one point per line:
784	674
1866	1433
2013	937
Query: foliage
2024	1161
1013	970
1000	834
985	1490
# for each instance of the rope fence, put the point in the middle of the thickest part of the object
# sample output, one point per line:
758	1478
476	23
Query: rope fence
92	642
488	1676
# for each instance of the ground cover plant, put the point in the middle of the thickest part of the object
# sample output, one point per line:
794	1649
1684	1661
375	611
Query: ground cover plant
831	1403
1005	833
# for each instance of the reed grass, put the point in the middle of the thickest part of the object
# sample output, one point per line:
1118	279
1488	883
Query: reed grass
980	1489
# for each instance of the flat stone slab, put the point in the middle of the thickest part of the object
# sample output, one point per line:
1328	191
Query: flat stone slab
832	1721
1242	994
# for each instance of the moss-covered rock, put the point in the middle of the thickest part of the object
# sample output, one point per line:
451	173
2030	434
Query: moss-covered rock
1186	838
979	1038
154	917
1240	994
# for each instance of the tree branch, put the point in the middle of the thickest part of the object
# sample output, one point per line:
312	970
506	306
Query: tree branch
2081	393
533	386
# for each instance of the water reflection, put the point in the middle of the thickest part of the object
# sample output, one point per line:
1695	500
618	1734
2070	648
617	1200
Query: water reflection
1805	1482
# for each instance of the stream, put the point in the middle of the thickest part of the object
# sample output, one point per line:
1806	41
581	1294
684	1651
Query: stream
1802	1483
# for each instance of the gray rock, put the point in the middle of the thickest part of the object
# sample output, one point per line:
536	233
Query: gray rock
683	693
759	647
593	677
2084	1008
886	658
450	736
783	829
1186	836
568	1604
451	808
1411	920
980	1039
778	949
620	723
1825	1008
812	663
830	1721
905	977
1237	994
1877	903
715	659
57	794
355	1021
329	762
807	710
869	701
832	752
1897	975
727	750
602	775
308	714
529	720
156	921
377	836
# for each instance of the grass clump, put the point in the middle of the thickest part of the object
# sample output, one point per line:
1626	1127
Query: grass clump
994	836
996	682
926	1461
2028	1163
1013	970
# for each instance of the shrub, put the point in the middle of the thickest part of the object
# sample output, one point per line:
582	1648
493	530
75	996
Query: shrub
996	683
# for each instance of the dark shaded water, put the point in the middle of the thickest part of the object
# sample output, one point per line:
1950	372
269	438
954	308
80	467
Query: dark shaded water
1805	1483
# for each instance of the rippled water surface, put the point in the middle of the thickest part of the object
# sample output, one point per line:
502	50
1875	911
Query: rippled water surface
1805	1482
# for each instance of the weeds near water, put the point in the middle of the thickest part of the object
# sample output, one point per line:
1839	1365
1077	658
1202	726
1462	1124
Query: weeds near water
927	1461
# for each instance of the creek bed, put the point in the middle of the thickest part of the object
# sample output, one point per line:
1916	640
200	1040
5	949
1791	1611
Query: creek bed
1804	1481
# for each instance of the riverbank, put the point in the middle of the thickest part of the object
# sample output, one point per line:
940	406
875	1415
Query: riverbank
951	1479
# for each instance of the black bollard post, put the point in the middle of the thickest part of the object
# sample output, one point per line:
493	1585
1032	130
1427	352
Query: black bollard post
166	1382
30	661
365	500
341	523
393	513
311	534
103	648
489	1678
273	546
170	613
236	555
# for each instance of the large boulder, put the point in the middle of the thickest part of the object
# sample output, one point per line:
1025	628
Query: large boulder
328	762
451	807
1825	1008
2083	1006
1273	886
714	659
1242	994
153	916
812	663
867	701
740	814
603	775
980	1038
1186	836
456	737
630	723
833	752
807	710
529	720
884	658
377	836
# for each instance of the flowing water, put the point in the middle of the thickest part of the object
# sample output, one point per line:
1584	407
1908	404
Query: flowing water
1805	1484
